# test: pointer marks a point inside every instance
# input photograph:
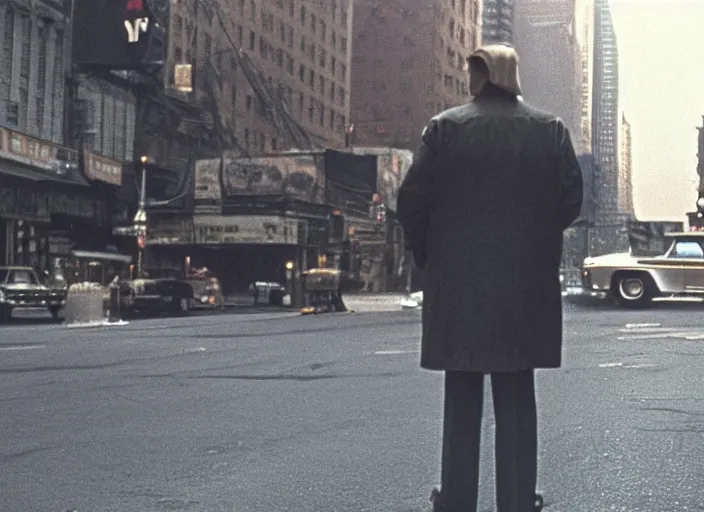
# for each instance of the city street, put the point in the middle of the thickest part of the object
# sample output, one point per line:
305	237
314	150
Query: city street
331	413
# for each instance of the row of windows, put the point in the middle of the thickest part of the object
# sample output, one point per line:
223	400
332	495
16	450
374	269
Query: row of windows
337	42
32	87
339	13
316	55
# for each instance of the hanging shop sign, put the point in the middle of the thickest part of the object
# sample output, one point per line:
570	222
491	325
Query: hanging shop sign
36	153
169	231
101	168
245	229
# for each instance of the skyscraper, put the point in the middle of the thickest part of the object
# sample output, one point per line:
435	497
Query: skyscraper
497	21
605	130
409	62
625	175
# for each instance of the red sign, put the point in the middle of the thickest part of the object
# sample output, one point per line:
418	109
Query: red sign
141	241
135	5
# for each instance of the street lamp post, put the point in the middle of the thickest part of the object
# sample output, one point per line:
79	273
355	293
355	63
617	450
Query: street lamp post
140	219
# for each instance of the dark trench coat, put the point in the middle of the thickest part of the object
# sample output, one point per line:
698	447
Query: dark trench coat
483	207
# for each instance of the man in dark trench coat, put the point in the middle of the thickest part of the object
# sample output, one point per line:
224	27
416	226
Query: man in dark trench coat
484	206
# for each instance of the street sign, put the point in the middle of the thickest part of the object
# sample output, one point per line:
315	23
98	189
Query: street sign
141	241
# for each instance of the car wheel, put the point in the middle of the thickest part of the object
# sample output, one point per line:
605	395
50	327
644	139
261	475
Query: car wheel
182	306
633	290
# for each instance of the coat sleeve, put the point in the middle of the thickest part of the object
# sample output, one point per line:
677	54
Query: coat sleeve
415	196
571	180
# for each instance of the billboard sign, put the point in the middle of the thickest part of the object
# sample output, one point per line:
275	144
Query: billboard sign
296	176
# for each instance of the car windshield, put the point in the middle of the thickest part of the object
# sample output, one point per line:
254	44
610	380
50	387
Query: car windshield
23	277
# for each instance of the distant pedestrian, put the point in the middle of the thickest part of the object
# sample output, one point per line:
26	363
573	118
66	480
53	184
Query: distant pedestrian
484	206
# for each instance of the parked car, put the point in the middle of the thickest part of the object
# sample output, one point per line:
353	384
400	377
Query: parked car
161	290
636	281
21	287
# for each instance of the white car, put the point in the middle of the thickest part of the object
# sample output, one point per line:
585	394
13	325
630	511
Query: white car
636	281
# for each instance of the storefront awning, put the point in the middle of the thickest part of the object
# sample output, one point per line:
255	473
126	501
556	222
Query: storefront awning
14	169
107	256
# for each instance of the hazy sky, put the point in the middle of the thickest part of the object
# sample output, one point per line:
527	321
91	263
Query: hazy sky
661	59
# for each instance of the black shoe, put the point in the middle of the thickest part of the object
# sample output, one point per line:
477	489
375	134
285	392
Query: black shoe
436	500
539	503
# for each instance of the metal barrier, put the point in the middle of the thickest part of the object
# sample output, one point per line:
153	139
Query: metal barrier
85	304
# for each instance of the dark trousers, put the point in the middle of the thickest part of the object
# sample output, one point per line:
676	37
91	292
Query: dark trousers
516	440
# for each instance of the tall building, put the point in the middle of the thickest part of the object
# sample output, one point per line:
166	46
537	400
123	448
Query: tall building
625	175
409	60
497	21
276	74
608	235
551	63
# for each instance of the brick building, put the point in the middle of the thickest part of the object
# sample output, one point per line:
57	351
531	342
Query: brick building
409	60
275	74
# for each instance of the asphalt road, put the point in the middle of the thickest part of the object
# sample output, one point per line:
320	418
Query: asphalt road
330	413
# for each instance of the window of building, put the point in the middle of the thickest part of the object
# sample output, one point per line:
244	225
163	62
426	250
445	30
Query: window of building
323	30
322	57
332	119
289	64
311	79
314	23
290	37
322	116
246	137
282	31
274	144
291	7
303	15
301	102
249	102
343	72
252	41
311	109
302	73
343	45
252	11
304	44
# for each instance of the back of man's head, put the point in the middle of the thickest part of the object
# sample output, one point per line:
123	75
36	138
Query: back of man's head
492	67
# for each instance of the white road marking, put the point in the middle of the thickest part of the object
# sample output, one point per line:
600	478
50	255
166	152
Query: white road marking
23	348
394	352
641	326
624	365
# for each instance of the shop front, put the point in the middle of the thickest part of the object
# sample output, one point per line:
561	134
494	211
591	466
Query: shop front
47	207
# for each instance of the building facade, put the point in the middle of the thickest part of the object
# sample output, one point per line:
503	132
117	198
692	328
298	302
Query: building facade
274	75
47	205
551	63
497	21
625	172
409	60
